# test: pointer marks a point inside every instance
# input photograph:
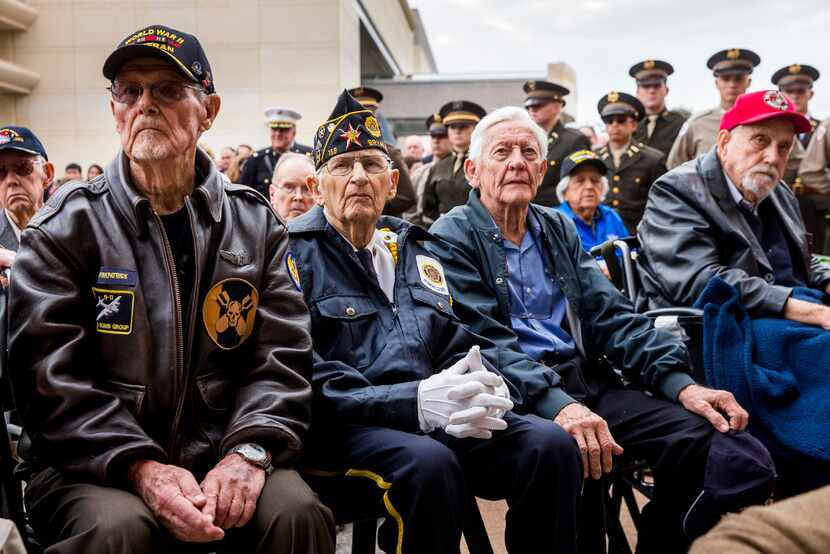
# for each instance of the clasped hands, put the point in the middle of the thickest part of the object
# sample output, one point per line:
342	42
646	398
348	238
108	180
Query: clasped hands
193	512
465	400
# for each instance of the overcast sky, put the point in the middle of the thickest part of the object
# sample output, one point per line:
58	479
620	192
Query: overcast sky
601	39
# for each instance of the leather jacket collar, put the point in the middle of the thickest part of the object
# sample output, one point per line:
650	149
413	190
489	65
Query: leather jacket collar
133	206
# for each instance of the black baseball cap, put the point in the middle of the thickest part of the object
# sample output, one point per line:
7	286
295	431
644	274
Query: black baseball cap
181	49
21	138
580	158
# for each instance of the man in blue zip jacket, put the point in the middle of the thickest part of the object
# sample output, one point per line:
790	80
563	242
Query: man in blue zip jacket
520	277
411	414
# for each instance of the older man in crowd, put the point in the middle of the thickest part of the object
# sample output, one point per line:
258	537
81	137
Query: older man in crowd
289	191
732	69
226	156
519	276
162	361
410	411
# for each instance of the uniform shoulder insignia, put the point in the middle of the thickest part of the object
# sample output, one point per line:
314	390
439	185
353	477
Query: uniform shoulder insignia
634	149
293	270
432	274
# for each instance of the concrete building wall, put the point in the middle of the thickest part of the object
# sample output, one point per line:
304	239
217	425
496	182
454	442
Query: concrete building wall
296	53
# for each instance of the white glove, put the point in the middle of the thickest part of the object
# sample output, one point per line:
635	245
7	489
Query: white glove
471	394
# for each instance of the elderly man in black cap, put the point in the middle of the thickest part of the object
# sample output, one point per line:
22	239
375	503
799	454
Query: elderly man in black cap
163	360
660	126
446	185
259	169
544	103
732	69
411	412
632	166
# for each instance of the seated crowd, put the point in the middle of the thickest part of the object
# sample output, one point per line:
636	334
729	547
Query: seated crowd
193	363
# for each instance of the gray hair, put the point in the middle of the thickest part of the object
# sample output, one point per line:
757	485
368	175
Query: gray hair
287	157
565	181
507	113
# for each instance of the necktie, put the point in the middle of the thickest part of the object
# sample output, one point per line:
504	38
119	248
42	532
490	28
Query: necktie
365	257
652	123
458	163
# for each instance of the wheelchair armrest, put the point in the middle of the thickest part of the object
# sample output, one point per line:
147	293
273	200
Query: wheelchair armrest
677	311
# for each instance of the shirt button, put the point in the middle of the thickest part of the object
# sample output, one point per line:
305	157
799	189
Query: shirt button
636	179
499	280
615	190
552	163
615	202
769	277
616	177
527	289
350	311
266	181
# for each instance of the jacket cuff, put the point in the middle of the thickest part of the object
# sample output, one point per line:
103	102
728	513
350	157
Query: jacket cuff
401	407
671	385
775	298
552	403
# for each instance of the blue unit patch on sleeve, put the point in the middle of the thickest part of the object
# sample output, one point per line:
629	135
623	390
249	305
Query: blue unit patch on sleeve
117	276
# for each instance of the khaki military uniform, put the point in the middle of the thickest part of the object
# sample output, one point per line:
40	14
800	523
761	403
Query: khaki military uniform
814	171
629	183
666	128
446	187
561	143
697	136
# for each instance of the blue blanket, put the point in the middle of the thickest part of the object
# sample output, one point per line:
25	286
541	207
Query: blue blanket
779	370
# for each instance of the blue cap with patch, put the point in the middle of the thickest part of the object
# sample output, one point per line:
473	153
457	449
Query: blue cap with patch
21	138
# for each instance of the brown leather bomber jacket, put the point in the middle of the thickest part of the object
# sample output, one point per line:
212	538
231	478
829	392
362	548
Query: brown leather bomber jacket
103	373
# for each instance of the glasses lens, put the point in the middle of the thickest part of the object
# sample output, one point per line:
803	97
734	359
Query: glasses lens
340	166
293	191
168	91
125	92
373	164
23	168
614	119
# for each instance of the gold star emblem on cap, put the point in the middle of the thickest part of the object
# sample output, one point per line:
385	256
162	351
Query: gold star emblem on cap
436	117
351	135
734	53
648	64
794	68
613	96
531	85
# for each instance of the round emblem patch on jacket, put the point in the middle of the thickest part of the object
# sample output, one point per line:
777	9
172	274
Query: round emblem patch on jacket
432	274
228	312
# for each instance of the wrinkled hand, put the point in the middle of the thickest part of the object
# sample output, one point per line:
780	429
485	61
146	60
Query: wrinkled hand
596	445
174	497
711	403
232	489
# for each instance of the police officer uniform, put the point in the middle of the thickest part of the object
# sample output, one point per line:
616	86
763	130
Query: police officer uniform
700	132
660	129
803	75
639	166
447	185
561	141
259	169
382	322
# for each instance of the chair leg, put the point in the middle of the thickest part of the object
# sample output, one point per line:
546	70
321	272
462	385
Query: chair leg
617	541
475	533
364	536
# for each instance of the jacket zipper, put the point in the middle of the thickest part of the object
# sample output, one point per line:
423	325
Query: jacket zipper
171	268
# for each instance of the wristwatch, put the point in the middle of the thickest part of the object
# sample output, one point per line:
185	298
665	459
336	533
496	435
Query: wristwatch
254	454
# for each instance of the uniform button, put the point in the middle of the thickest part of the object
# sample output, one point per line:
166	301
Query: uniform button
552	163
616	177
499	280
266	181
769	277
615	190
350	311
441	306
615	203
636	179
527	289
495	236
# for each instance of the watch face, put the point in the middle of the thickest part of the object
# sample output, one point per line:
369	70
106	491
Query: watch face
252	452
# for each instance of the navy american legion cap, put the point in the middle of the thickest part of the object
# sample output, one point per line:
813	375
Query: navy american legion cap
21	138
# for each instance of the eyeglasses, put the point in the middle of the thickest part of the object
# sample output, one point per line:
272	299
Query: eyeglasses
342	166
165	92
292	191
23	168
620	119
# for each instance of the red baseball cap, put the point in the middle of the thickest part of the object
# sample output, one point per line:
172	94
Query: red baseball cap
755	107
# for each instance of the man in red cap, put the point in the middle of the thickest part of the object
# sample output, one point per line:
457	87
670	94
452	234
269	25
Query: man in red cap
729	215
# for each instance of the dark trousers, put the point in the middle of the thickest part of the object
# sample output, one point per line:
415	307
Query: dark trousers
81	518
420	483
675	443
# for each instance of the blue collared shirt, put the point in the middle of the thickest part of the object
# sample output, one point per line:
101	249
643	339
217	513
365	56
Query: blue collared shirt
537	305
607	225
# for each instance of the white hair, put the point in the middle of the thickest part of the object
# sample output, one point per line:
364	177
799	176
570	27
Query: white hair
565	181
507	113
288	157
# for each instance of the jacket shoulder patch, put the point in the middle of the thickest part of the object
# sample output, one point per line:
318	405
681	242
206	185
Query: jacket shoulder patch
293	270
114	310
432	274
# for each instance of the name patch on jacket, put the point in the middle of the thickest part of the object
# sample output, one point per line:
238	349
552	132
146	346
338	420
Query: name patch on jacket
114	311
432	274
117	276
228	312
